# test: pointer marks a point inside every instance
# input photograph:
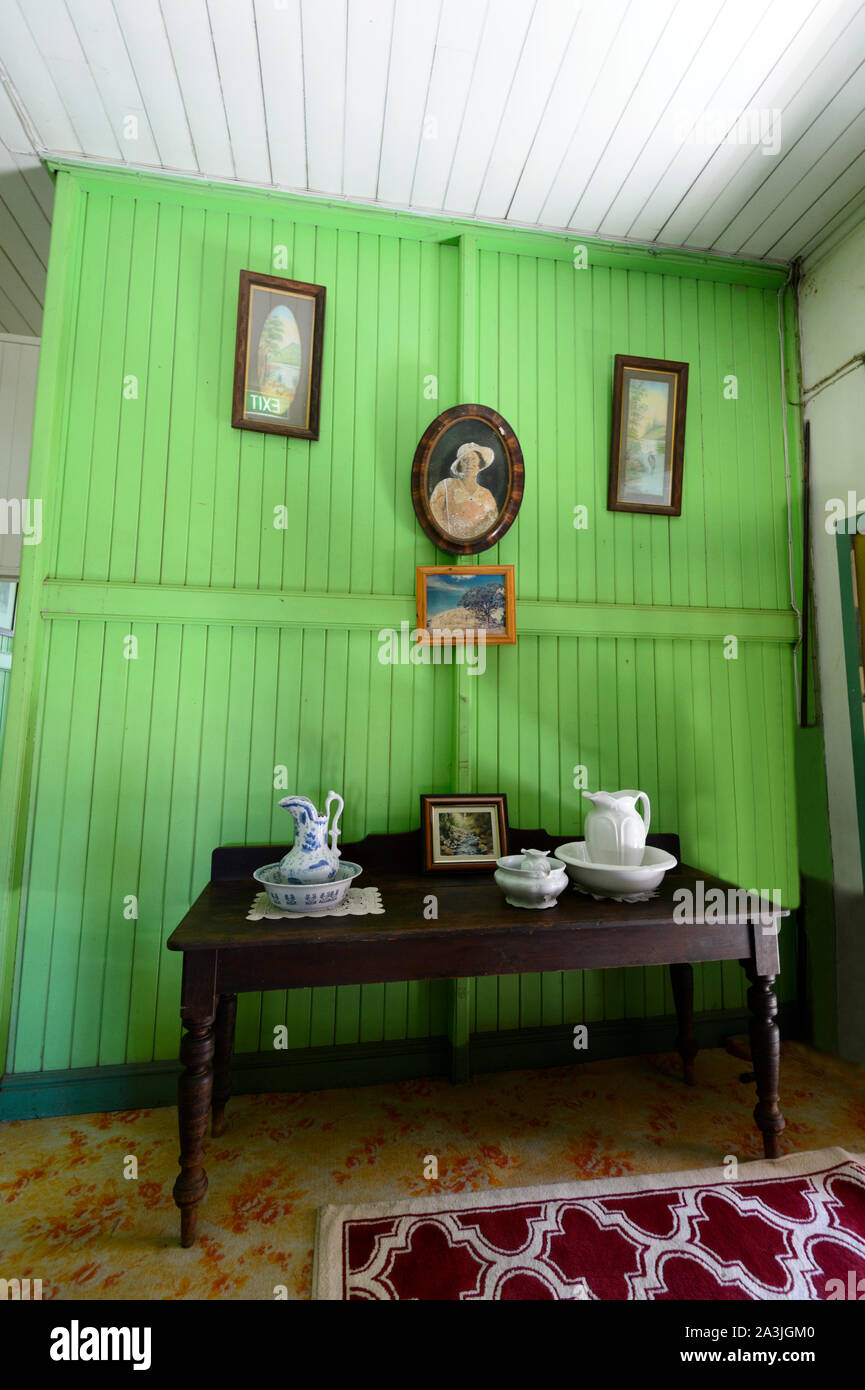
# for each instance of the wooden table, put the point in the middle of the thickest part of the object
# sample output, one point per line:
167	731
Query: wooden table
476	933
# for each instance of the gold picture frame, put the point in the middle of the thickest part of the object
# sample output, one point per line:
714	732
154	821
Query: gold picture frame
456	603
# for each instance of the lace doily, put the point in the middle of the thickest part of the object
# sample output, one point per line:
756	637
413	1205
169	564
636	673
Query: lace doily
615	897
358	902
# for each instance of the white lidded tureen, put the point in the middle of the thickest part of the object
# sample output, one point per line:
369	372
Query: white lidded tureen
531	879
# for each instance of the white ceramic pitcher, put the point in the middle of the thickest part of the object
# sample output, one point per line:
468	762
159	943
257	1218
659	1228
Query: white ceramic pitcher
615	830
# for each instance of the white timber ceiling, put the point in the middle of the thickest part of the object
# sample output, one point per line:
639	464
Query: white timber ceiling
727	126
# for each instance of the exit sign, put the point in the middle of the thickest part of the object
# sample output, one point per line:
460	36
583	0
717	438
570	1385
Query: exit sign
262	405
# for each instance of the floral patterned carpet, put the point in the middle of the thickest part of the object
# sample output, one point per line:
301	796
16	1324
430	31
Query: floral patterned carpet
69	1216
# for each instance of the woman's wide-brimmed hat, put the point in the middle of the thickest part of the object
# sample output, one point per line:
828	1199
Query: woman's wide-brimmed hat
485	453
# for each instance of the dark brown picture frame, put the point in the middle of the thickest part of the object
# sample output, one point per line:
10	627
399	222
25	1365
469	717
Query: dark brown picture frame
433	449
429	803
307	427
622	494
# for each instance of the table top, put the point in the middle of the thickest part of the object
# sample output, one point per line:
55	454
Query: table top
470	906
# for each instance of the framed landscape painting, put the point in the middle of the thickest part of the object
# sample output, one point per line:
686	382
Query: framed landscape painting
277	357
456	602
463	832
648	438
467	479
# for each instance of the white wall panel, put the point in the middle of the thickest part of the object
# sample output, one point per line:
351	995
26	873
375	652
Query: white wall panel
19	363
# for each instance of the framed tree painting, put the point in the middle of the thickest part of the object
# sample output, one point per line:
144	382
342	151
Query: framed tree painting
457	603
467	479
647	446
277	357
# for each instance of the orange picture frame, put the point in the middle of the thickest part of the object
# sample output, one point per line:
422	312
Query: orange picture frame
446	593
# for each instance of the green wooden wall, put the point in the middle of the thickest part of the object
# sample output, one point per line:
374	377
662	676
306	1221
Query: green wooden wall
258	647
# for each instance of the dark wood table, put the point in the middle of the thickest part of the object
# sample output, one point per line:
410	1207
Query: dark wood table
476	933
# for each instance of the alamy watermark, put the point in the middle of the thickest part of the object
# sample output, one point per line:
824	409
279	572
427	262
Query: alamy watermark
759	125
845	518
20	1290
719	905
415	646
77	1343
853	1288
22	516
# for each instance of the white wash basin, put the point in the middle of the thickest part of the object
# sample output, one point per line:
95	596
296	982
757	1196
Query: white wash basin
618	880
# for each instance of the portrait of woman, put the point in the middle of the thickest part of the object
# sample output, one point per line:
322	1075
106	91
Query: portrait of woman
467	479
461	505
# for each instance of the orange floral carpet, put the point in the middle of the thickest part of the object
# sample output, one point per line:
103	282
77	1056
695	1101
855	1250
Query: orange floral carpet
72	1219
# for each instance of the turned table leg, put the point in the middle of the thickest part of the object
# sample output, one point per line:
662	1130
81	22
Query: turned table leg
193	1108
765	1056
226	1013
682	980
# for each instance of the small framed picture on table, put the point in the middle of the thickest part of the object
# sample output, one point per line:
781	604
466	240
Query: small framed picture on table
463	832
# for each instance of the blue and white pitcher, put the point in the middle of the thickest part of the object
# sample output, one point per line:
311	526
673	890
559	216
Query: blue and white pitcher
311	859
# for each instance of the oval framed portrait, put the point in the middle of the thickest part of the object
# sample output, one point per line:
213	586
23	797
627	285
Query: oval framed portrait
467	479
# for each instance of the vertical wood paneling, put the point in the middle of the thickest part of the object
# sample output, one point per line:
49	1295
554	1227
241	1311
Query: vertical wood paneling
654	715
132	416
159	660
128	881
69	865
144	764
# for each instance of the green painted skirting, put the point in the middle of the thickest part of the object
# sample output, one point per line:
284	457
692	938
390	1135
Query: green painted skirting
86	1090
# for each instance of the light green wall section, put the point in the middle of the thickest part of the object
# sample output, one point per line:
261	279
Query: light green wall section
548	336
258	647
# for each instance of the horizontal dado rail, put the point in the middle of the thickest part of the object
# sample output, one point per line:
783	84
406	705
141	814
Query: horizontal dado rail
80	600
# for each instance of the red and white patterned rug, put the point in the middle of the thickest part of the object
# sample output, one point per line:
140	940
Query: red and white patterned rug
792	1229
